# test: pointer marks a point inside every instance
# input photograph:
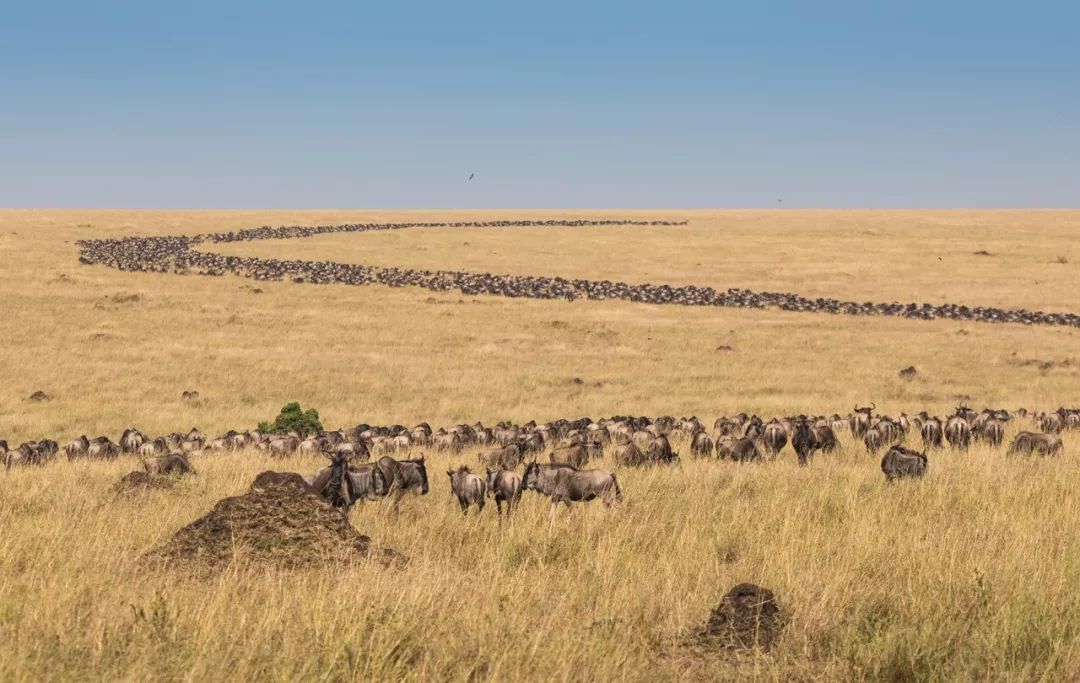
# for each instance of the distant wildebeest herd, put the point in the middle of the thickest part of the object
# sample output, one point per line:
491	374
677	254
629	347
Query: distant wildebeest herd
178	255
363	468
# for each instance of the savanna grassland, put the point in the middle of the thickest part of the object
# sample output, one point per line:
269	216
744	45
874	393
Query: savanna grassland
970	573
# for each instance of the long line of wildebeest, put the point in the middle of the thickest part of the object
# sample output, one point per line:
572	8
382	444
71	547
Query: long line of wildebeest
178	254
570	445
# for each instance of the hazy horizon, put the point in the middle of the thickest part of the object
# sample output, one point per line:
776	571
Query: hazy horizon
562	106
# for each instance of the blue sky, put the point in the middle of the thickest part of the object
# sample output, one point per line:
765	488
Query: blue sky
550	104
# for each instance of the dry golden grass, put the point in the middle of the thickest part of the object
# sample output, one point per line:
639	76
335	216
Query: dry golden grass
971	573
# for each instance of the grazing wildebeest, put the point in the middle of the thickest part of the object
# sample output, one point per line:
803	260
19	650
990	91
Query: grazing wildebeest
468	488
567	484
576	455
508	457
130	440
334	484
803	441
629	455
958	432
659	450
738	449
356	451
77	447
860	420
281	446
103	448
173	463
1026	443
505	487
932	433
701	444
403	476
900	462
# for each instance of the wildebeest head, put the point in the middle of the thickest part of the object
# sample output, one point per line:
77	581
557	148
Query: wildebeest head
530	481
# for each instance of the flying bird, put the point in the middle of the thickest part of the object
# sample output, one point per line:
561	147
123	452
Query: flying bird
471	176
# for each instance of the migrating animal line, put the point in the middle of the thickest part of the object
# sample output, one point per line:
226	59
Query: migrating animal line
353	477
178	254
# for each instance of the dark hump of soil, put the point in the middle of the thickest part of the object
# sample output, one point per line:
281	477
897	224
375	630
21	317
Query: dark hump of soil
141	481
281	521
747	617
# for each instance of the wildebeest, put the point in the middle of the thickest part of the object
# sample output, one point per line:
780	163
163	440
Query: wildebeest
576	455
932	433
701	444
505	487
738	449
468	488
1026	443
825	438
659	450
77	447
775	437
569	485
172	463
803	441
508	457
860	420
629	455
992	431
900	462
873	439
403	476
958	432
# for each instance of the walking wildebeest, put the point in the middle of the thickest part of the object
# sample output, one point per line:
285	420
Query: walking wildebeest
505	487
1026	443
403	476
468	488
900	462
568	485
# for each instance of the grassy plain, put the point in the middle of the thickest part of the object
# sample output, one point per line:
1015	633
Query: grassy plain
972	573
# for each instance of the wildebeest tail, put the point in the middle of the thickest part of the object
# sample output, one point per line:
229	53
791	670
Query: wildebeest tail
618	491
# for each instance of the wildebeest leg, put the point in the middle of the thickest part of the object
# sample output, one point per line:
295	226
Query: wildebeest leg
480	506
498	506
554	508
464	507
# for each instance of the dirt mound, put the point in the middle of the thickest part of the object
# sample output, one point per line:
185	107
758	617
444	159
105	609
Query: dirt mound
141	481
746	618
281	521
908	373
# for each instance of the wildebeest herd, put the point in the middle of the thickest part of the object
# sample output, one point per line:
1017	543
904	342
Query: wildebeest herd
363	467
179	255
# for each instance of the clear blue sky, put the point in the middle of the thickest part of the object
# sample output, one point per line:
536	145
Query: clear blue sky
551	104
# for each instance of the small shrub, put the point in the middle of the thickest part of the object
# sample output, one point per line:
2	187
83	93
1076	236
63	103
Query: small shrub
292	417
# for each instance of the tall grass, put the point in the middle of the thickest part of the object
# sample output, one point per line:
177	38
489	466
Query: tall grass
971	573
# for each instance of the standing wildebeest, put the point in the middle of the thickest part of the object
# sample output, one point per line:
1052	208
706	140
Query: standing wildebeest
1026	443
701	444
659	450
802	440
775	437
468	488
958	432
629	455
566	485
173	463
505	487
860	420
873	439
901	462
993	431
403	476
77	447
932	433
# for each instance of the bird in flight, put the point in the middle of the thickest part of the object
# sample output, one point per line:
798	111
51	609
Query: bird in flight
471	176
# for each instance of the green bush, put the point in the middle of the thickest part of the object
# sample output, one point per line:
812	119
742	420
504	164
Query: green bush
292	417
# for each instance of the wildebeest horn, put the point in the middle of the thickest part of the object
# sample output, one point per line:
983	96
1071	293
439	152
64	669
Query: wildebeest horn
873	406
